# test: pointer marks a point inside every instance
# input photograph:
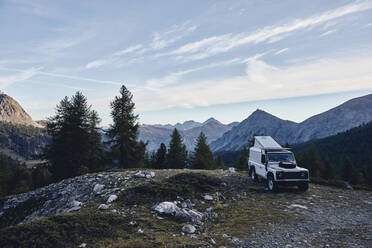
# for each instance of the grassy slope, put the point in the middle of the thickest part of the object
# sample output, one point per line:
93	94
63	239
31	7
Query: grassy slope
242	210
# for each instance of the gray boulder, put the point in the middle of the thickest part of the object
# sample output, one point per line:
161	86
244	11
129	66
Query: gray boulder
166	208
188	229
189	215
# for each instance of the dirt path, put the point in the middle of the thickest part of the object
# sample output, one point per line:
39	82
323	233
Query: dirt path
323	217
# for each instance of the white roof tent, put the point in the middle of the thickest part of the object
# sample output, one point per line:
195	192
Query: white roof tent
266	143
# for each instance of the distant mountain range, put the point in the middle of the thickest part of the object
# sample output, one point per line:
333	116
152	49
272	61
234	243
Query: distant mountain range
189	130
341	118
355	144
222	137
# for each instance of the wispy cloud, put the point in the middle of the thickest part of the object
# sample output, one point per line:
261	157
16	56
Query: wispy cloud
160	40
218	44
38	8
127	50
328	32
20	76
163	39
26	74
114	57
369	25
174	77
264	81
281	51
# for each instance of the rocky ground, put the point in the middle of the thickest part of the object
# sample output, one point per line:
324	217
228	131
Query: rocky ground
183	208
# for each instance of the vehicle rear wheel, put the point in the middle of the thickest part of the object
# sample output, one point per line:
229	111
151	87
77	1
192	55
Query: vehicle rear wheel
303	186
271	184
253	174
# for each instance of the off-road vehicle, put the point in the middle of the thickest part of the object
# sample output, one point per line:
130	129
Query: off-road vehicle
276	165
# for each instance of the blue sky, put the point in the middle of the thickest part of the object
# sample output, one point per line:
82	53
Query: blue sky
187	60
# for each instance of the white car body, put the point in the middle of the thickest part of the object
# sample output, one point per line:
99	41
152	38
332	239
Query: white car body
267	159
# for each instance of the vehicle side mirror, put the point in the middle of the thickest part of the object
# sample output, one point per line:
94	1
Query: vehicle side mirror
263	159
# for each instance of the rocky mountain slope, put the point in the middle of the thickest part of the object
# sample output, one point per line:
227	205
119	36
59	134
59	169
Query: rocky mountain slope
341	118
189	130
181	207
11	111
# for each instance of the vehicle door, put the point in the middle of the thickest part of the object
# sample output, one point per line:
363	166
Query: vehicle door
261	167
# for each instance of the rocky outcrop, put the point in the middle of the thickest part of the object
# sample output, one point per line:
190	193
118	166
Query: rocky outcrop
11	111
67	196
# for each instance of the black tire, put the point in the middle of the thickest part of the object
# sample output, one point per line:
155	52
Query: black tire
271	184
303	186
253	175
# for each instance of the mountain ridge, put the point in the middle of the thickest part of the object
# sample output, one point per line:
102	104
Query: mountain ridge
345	116
11	111
189	130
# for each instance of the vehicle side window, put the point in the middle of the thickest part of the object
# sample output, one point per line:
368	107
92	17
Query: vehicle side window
263	158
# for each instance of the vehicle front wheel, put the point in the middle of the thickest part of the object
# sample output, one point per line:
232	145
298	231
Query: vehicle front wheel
253	175
303	186
271	184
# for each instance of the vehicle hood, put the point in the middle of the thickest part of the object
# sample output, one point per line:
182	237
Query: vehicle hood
275	165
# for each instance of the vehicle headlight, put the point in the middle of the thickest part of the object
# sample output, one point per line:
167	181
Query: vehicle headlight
304	174
279	174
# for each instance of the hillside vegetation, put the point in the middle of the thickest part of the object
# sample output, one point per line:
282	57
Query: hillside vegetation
234	213
27	142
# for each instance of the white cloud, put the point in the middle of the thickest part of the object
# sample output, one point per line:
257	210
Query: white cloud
176	32
328	32
26	74
160	40
127	50
114	57
174	77
281	51
263	81
20	76
369	24
96	64
218	44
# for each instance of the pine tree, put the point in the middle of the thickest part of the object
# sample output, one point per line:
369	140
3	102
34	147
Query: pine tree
76	144
347	170
241	162
310	159
123	132
203	157
161	157
177	154
328	171
219	162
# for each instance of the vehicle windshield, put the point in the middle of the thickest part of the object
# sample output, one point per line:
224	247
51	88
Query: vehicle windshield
281	157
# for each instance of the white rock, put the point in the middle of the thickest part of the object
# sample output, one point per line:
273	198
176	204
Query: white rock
208	197
112	198
73	209
188	229
114	211
98	188
140	231
103	207
213	241
83	245
236	241
168	208
297	206
76	203
210	209
232	169
132	223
